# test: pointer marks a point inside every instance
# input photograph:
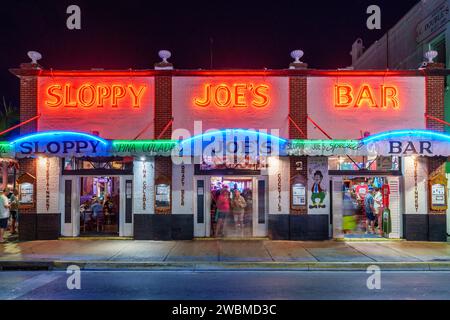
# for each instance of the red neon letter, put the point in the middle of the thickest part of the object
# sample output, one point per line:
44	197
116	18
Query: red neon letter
226	95
136	96
365	95
58	97
239	96
81	97
67	102
118	92
103	92
389	95
207	99
343	96
262	93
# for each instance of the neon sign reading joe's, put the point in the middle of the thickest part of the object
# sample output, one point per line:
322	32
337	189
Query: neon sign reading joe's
94	96
237	95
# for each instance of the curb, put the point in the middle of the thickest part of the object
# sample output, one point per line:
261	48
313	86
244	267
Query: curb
221	266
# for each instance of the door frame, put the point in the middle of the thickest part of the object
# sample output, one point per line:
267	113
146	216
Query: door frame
73	229
336	229
203	230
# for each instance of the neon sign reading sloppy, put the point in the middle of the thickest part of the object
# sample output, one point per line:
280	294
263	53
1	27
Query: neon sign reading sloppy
346	96
88	95
238	95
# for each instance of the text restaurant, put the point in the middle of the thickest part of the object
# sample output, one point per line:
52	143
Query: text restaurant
167	154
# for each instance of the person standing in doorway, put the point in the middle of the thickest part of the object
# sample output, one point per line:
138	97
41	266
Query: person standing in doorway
370	211
238	205
4	213
223	208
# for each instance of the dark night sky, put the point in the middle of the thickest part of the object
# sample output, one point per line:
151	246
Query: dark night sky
128	34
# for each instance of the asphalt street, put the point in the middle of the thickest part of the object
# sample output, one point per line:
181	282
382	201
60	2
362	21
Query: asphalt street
223	285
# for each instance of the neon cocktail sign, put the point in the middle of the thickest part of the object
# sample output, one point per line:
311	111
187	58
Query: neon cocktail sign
93	96
236	95
348	96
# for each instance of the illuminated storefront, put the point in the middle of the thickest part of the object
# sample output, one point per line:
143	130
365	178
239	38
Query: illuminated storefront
155	149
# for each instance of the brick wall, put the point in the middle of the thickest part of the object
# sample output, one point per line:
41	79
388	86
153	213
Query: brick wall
163	114
28	103
435	86
163	105
297	106
298	112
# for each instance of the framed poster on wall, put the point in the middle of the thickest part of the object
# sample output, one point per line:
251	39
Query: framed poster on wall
26	188
438	193
162	195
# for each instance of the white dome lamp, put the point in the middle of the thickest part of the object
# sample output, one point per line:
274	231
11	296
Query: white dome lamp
431	55
164	55
297	55
164	64
34	56
297	63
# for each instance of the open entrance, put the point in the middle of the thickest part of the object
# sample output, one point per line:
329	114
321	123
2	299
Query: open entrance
99	206
364	200
231	207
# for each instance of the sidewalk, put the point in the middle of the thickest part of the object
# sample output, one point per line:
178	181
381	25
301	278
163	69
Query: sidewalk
235	254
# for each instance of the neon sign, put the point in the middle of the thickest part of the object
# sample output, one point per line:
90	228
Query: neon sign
60	143
346	96
88	95
237	95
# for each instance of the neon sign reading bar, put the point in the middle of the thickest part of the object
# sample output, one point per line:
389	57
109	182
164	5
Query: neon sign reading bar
346	96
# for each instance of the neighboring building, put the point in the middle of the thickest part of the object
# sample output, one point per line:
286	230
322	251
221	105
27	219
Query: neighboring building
111	135
425	27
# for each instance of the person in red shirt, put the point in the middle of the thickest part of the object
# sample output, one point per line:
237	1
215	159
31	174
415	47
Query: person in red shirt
361	191
223	207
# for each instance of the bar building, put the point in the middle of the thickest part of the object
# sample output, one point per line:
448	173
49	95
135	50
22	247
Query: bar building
423	28
154	148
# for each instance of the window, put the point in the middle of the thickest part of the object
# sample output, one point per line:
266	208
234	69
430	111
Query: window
97	166
360	163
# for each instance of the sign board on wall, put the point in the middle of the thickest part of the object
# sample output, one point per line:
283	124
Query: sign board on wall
346	107
116	107
230	102
433	23
438	193
318	186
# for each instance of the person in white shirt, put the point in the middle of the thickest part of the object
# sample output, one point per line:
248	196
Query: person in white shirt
4	212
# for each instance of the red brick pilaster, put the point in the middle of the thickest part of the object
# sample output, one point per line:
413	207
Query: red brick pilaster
163	105
298	112
28	110
435	107
163	115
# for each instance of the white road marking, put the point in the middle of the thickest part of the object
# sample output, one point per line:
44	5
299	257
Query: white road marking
19	289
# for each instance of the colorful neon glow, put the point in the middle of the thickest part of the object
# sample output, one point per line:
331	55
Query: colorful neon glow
139	147
296	143
56	135
344	97
234	132
87	95
407	133
5	147
237	95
